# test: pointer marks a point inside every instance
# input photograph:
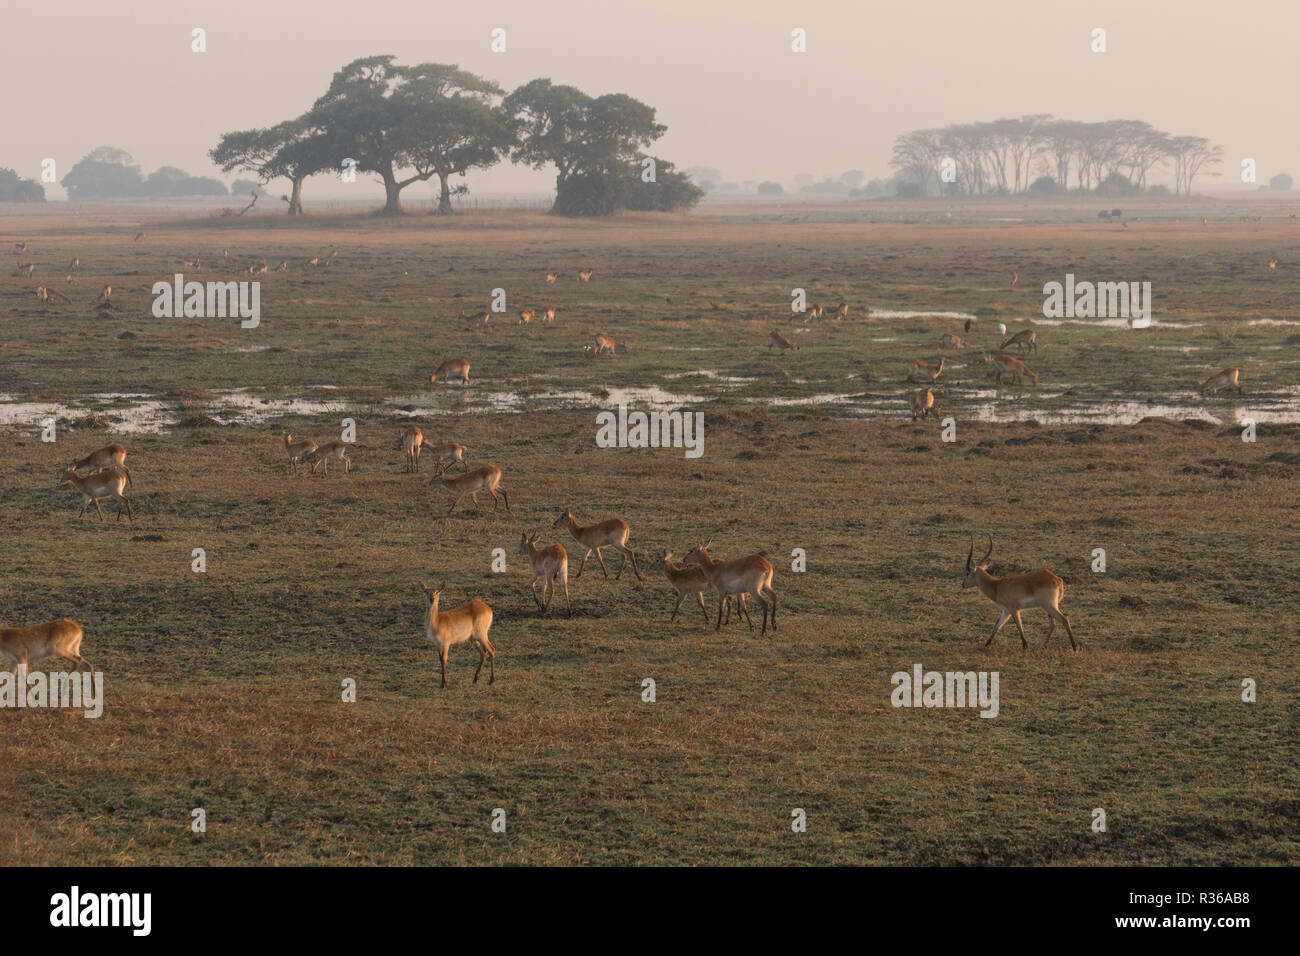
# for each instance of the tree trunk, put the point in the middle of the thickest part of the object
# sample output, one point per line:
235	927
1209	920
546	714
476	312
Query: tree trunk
444	197
393	192
295	197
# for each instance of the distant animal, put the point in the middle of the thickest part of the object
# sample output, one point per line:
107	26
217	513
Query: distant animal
549	565
1016	369
139	236
19	248
105	483
1002	329
25	269
748	576
73	264
549	313
483	478
323	454
469	622
1024	339
950	341
780	342
967	329
1015	277
451	369
1228	378
815	312
585	275
105	297
283	266
411	441
606	345
610	533
686	580
110	456
551	277
21	646
1272	264
526	316
922	402
1016	593
448	455
920	371
842	311
296	450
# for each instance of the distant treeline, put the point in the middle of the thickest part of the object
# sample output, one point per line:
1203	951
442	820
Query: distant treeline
14	189
111	173
1043	155
409	124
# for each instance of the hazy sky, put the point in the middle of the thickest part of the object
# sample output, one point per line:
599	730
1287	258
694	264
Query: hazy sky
721	74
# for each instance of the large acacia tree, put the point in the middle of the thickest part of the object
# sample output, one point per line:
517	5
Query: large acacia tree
294	149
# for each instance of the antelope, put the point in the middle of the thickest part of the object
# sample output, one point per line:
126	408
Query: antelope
551	277
26	268
469	622
1225	379
483	478
297	450
549	312
816	312
283	266
920	371
47	294
110	456
842	311
526	316
751	575
479	318
922	401
449	455
1006	365
105	483
257	268
323	454
605	344
139	236
20	248
1015	277
950	341
1016	593
105	297
687	579
314	261
329	258
452	368
62	637
781	343
612	532
73	265
549	565
584	275
196	263
1024	339
1272	264
412	441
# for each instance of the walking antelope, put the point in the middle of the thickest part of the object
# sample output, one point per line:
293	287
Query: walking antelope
1220	380
584	275
922	401
549	312
687	579
451	369
612	532
448	455
105	483
296	450
483	478
551	277
1016	593
526	316
323	454
469	622
110	456
549	565
781	343
1024	339
411	442
950	341
1007	365
922	372
751	575
22	645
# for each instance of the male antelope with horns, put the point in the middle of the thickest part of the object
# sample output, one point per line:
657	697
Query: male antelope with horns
1016	593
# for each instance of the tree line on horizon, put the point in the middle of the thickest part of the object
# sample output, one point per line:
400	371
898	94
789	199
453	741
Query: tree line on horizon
411	123
1041	154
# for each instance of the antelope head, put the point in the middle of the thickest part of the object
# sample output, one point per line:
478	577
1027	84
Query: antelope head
972	566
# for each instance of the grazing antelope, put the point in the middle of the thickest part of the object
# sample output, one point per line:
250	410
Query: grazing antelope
922	402
549	565
1016	593
549	312
1015	277
687	579
451	369
323	454
584	275
257	268
297	450
448	455
1220	380
469	622
25	269
781	343
483	478
105	483
47	294
526	316
1024	339
62	637
105	297
923	372
604	344
612	532
412	441
950	341
816	312
1006	365
551	277
110	456
751	575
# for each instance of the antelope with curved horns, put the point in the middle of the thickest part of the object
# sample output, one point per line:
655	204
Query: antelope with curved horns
1220	380
483	478
451	369
1024	339
105	483
549	565
296	450
780	342
62	637
110	456
686	579
411	442
1007	365
448	455
469	622
610	533
922	372
922	402
585	275
746	576
323	454
1016	593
